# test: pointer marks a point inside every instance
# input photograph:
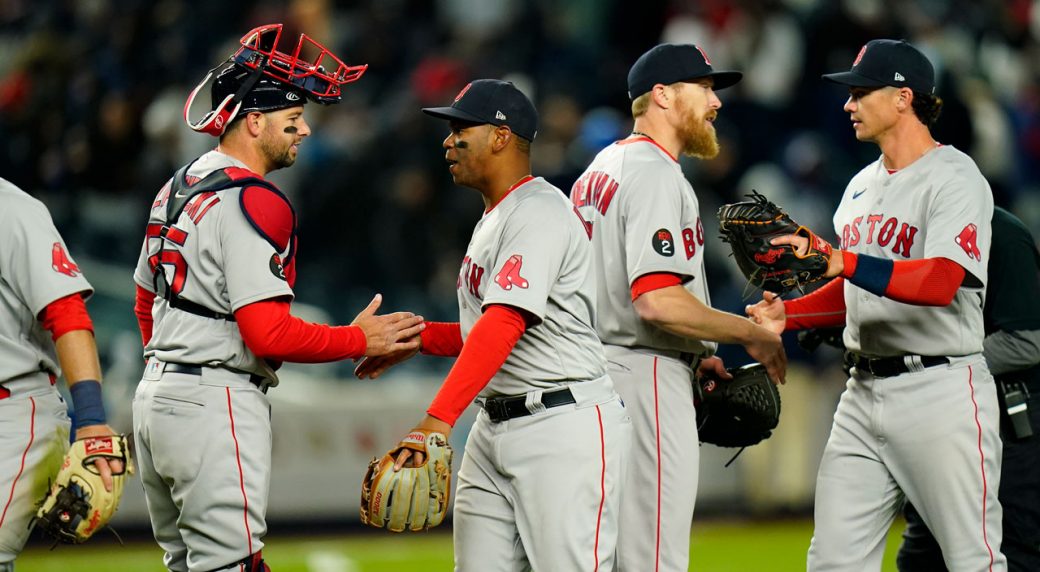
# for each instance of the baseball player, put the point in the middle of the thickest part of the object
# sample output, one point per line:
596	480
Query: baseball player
653	309
919	416
540	481
1012	350
214	283
43	324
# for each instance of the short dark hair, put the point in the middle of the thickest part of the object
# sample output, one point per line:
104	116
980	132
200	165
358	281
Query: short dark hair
927	107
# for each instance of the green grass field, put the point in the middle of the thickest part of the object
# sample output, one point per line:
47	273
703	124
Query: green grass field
718	546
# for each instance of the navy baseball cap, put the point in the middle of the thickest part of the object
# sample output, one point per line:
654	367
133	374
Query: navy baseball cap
492	101
892	63
671	63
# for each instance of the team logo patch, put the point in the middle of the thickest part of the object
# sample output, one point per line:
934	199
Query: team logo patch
703	54
968	239
276	267
662	242
60	261
509	276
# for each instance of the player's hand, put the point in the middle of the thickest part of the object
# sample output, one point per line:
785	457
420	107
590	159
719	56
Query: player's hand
769	313
372	367
835	262
410	458
104	466
713	367
767	348
390	332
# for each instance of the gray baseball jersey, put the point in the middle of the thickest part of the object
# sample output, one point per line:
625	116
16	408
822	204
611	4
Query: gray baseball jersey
531	252
943	208
222	263
35	270
645	218
929	435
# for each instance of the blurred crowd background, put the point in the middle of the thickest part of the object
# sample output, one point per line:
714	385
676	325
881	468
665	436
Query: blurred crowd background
91	94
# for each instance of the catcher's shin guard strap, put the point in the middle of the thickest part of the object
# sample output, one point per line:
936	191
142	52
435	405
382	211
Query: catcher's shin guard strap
87	404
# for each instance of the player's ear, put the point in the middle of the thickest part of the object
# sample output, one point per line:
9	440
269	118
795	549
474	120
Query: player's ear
659	93
501	136
255	122
905	98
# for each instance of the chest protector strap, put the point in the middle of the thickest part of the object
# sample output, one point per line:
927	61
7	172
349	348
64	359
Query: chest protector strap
181	193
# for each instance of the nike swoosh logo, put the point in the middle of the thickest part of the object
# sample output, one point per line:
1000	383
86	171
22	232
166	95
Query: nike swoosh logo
856	195
180	196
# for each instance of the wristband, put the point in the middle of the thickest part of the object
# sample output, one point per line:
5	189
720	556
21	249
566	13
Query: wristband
872	274
87	406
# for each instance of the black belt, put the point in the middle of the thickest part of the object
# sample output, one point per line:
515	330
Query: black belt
188	369
889	366
505	408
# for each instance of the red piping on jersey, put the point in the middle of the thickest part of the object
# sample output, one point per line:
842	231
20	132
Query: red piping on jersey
657	427
32	435
648	140
602	483
241	476
515	186
982	469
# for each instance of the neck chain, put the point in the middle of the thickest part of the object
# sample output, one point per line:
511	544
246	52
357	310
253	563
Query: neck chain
641	134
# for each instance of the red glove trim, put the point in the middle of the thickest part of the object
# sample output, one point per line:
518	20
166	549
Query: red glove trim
143	310
653	281
822	308
270	332
65	315
488	345
441	339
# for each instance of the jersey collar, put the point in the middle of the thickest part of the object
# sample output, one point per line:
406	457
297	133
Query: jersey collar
510	190
644	138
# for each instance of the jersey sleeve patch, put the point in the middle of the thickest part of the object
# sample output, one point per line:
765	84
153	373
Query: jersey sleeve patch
662	242
510	276
270	213
968	239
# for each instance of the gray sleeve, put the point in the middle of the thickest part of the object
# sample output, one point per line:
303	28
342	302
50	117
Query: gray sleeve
653	225
1007	352
34	259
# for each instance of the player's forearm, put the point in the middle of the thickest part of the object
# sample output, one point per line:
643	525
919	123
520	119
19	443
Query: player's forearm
923	282
77	354
143	310
678	312
488	346
272	333
1007	352
822	308
441	339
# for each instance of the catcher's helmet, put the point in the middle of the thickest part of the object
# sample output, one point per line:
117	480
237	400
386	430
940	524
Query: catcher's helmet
258	77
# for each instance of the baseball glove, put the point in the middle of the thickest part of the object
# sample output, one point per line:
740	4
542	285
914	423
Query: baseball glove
415	498
78	505
749	226
737	412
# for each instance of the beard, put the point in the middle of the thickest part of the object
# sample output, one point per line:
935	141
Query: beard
277	152
697	135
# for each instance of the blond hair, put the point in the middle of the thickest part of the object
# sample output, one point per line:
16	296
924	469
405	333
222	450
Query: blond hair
640	105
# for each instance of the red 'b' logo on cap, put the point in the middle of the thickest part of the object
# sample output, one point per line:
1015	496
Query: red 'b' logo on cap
703	55
859	56
462	93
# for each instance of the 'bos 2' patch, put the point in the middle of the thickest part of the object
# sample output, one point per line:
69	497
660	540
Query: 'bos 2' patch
277	268
662	242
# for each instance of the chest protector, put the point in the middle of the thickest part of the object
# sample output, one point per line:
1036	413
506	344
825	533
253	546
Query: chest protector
181	193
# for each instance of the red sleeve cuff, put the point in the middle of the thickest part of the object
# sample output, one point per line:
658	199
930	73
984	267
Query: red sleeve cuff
441	339
653	281
488	345
65	315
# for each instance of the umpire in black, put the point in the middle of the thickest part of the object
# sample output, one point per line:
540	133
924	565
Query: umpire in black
1012	350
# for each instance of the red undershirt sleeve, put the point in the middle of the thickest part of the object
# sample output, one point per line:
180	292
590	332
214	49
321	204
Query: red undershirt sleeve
65	315
143	310
272	333
823	308
922	282
486	349
653	281
441	339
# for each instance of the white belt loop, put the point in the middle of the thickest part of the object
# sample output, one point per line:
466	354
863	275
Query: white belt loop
533	403
913	363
